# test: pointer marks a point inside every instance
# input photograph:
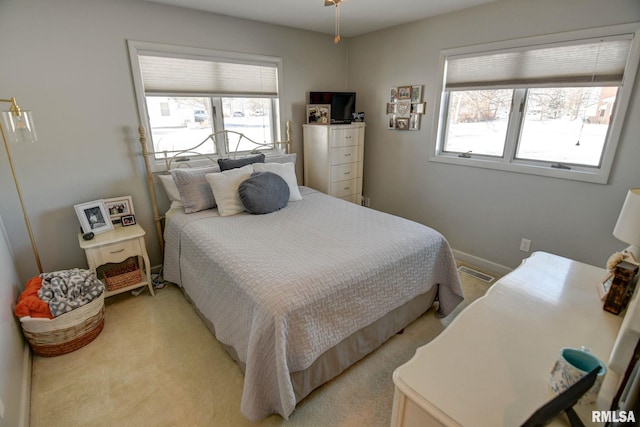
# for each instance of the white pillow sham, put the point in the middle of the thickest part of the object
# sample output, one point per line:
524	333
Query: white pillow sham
285	170
224	186
170	188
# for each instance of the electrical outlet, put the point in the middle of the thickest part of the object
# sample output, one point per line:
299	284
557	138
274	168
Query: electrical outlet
525	245
1	410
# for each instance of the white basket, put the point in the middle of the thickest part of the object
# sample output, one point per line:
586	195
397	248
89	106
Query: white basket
67	332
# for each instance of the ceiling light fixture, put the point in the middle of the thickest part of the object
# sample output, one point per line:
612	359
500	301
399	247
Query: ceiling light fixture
336	3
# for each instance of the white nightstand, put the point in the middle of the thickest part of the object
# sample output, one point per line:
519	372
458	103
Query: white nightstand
116	246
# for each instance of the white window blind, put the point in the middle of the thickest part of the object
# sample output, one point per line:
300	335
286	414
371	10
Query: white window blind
594	62
162	74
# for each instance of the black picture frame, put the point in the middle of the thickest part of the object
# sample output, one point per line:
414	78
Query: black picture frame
128	220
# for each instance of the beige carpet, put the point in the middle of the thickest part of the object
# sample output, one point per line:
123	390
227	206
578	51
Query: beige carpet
156	364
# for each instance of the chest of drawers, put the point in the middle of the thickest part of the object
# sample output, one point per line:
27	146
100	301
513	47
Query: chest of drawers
333	159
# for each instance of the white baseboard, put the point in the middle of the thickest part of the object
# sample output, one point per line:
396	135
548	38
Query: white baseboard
25	398
482	263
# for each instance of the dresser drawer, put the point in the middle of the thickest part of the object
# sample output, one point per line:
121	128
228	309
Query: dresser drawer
354	198
346	171
115	252
346	188
342	155
343	137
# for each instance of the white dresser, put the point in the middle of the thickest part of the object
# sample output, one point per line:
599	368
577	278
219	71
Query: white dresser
491	366
333	159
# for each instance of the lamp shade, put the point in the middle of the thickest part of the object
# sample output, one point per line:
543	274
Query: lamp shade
18	127
628	226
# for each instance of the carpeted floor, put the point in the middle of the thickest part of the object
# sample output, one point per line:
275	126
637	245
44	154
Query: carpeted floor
156	364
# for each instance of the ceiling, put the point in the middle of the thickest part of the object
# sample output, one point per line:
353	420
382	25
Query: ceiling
356	16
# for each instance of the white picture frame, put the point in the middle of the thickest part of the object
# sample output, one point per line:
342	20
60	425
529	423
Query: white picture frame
117	207
416	94
414	122
403	108
94	217
391	121
319	114
393	94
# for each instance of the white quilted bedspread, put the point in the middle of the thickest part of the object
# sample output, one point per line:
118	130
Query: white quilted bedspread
282	288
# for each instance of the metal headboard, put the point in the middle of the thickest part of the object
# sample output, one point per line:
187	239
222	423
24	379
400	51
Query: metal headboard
221	140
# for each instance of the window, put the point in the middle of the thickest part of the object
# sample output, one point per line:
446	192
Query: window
550	105
186	94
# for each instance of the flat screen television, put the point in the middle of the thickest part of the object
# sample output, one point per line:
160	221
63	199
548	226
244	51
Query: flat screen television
343	105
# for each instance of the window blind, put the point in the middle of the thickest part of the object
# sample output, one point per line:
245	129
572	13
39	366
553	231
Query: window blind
162	74
594	62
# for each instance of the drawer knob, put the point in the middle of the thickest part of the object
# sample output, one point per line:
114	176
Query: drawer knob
347	173
347	188
117	252
347	137
347	154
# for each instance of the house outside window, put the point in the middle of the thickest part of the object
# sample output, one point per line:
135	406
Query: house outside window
186	94
551	105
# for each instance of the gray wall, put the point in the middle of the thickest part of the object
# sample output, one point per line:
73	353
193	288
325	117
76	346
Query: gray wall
485	213
15	360
67	61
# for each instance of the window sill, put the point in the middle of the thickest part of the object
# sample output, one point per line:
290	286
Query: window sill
596	176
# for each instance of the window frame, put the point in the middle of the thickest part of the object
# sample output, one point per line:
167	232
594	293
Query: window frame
137	48
509	162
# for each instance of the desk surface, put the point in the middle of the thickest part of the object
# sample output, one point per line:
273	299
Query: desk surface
491	366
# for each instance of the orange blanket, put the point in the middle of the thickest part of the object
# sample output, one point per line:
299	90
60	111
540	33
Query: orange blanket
29	304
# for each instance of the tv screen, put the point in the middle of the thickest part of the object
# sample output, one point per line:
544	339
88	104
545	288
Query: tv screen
343	104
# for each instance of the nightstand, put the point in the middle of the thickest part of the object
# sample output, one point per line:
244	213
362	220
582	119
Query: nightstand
116	246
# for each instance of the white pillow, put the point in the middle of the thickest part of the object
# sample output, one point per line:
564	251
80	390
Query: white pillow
287	171
170	188
224	186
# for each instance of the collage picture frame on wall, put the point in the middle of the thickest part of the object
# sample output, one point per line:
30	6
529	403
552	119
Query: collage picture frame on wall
405	107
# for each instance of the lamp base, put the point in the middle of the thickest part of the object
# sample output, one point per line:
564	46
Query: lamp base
634	251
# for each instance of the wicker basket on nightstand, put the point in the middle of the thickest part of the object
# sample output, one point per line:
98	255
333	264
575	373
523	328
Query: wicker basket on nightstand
122	275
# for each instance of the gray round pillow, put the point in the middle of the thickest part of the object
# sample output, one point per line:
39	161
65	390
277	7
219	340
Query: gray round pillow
264	192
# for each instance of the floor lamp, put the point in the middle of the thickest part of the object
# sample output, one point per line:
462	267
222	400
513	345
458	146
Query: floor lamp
16	125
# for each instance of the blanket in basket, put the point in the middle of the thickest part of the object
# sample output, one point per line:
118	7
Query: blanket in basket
66	290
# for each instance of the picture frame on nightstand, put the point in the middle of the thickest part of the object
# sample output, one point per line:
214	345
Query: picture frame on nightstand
94	217
128	220
119	207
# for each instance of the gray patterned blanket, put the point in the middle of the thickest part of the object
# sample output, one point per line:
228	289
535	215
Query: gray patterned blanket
66	290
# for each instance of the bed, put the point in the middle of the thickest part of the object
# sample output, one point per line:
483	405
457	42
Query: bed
298	295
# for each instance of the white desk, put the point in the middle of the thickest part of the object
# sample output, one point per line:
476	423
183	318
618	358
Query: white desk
491	366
